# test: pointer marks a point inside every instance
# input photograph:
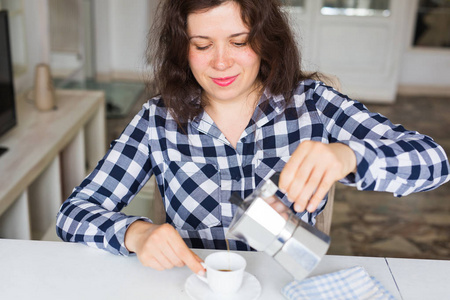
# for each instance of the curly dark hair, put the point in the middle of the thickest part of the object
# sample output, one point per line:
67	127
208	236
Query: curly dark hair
270	37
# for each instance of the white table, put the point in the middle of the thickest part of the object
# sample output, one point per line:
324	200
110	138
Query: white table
56	270
421	278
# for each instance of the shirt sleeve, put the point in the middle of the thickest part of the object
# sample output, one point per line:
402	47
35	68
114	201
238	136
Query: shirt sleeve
389	157
91	215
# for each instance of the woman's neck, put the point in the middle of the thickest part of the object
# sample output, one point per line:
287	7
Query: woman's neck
232	117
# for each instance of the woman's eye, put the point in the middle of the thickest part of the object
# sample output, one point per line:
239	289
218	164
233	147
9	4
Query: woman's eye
202	47
243	44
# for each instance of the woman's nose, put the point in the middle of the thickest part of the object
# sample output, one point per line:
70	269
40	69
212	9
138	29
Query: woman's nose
222	59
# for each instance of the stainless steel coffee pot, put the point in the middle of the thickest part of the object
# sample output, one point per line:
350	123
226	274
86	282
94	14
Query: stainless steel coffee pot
266	224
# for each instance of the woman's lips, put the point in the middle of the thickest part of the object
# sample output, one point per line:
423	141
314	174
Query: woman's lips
224	81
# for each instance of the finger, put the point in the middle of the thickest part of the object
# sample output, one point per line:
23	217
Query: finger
158	247
322	190
192	261
287	175
301	177
149	257
279	206
271	199
198	258
311	185
171	255
189	258
153	263
162	259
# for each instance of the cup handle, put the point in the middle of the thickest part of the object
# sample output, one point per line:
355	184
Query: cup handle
202	277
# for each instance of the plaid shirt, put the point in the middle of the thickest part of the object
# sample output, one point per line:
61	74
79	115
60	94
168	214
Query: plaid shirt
197	173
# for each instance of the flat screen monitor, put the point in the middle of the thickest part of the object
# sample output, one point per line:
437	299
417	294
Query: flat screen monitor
7	96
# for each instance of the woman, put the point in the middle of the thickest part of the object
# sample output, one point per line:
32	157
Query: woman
234	108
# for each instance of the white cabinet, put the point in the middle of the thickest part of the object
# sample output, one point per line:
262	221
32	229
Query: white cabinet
49	154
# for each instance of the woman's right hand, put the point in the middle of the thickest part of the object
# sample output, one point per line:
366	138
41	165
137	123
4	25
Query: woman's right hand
160	247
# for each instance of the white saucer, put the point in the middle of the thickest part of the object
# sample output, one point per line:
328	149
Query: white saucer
199	290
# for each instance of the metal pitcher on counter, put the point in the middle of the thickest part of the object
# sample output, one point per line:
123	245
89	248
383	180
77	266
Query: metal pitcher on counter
266	224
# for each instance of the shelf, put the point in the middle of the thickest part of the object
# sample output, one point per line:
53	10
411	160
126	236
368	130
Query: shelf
49	154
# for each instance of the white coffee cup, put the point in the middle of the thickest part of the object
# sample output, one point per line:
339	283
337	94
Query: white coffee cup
224	272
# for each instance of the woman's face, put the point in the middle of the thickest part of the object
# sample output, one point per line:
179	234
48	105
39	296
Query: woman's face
220	58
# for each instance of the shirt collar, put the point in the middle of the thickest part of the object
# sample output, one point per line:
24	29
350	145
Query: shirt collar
268	107
203	123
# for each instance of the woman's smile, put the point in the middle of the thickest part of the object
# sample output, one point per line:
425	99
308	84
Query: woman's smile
224	81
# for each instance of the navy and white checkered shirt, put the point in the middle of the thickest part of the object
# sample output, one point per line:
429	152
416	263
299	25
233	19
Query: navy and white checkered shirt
197	172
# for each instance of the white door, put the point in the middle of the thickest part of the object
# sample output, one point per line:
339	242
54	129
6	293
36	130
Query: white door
362	46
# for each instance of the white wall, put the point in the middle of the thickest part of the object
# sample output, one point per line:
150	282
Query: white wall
102	38
426	67
37	43
129	31
121	37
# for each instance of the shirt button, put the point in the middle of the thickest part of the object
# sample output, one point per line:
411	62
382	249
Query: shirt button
236	177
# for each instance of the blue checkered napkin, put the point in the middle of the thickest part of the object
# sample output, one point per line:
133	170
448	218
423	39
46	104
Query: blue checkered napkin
353	283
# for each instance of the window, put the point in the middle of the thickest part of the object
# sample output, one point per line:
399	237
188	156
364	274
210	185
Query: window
433	24
362	8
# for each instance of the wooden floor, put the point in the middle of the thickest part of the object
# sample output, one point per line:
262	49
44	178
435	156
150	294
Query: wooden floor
415	226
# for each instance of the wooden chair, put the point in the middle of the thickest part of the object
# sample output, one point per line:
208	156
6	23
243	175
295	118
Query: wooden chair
158	215
323	221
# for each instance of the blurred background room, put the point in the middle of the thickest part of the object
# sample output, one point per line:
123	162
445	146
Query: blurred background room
392	55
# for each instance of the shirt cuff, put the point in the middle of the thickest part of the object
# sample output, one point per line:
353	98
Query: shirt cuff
366	157
115	236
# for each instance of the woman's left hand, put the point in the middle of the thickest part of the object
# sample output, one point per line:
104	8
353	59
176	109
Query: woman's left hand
311	171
